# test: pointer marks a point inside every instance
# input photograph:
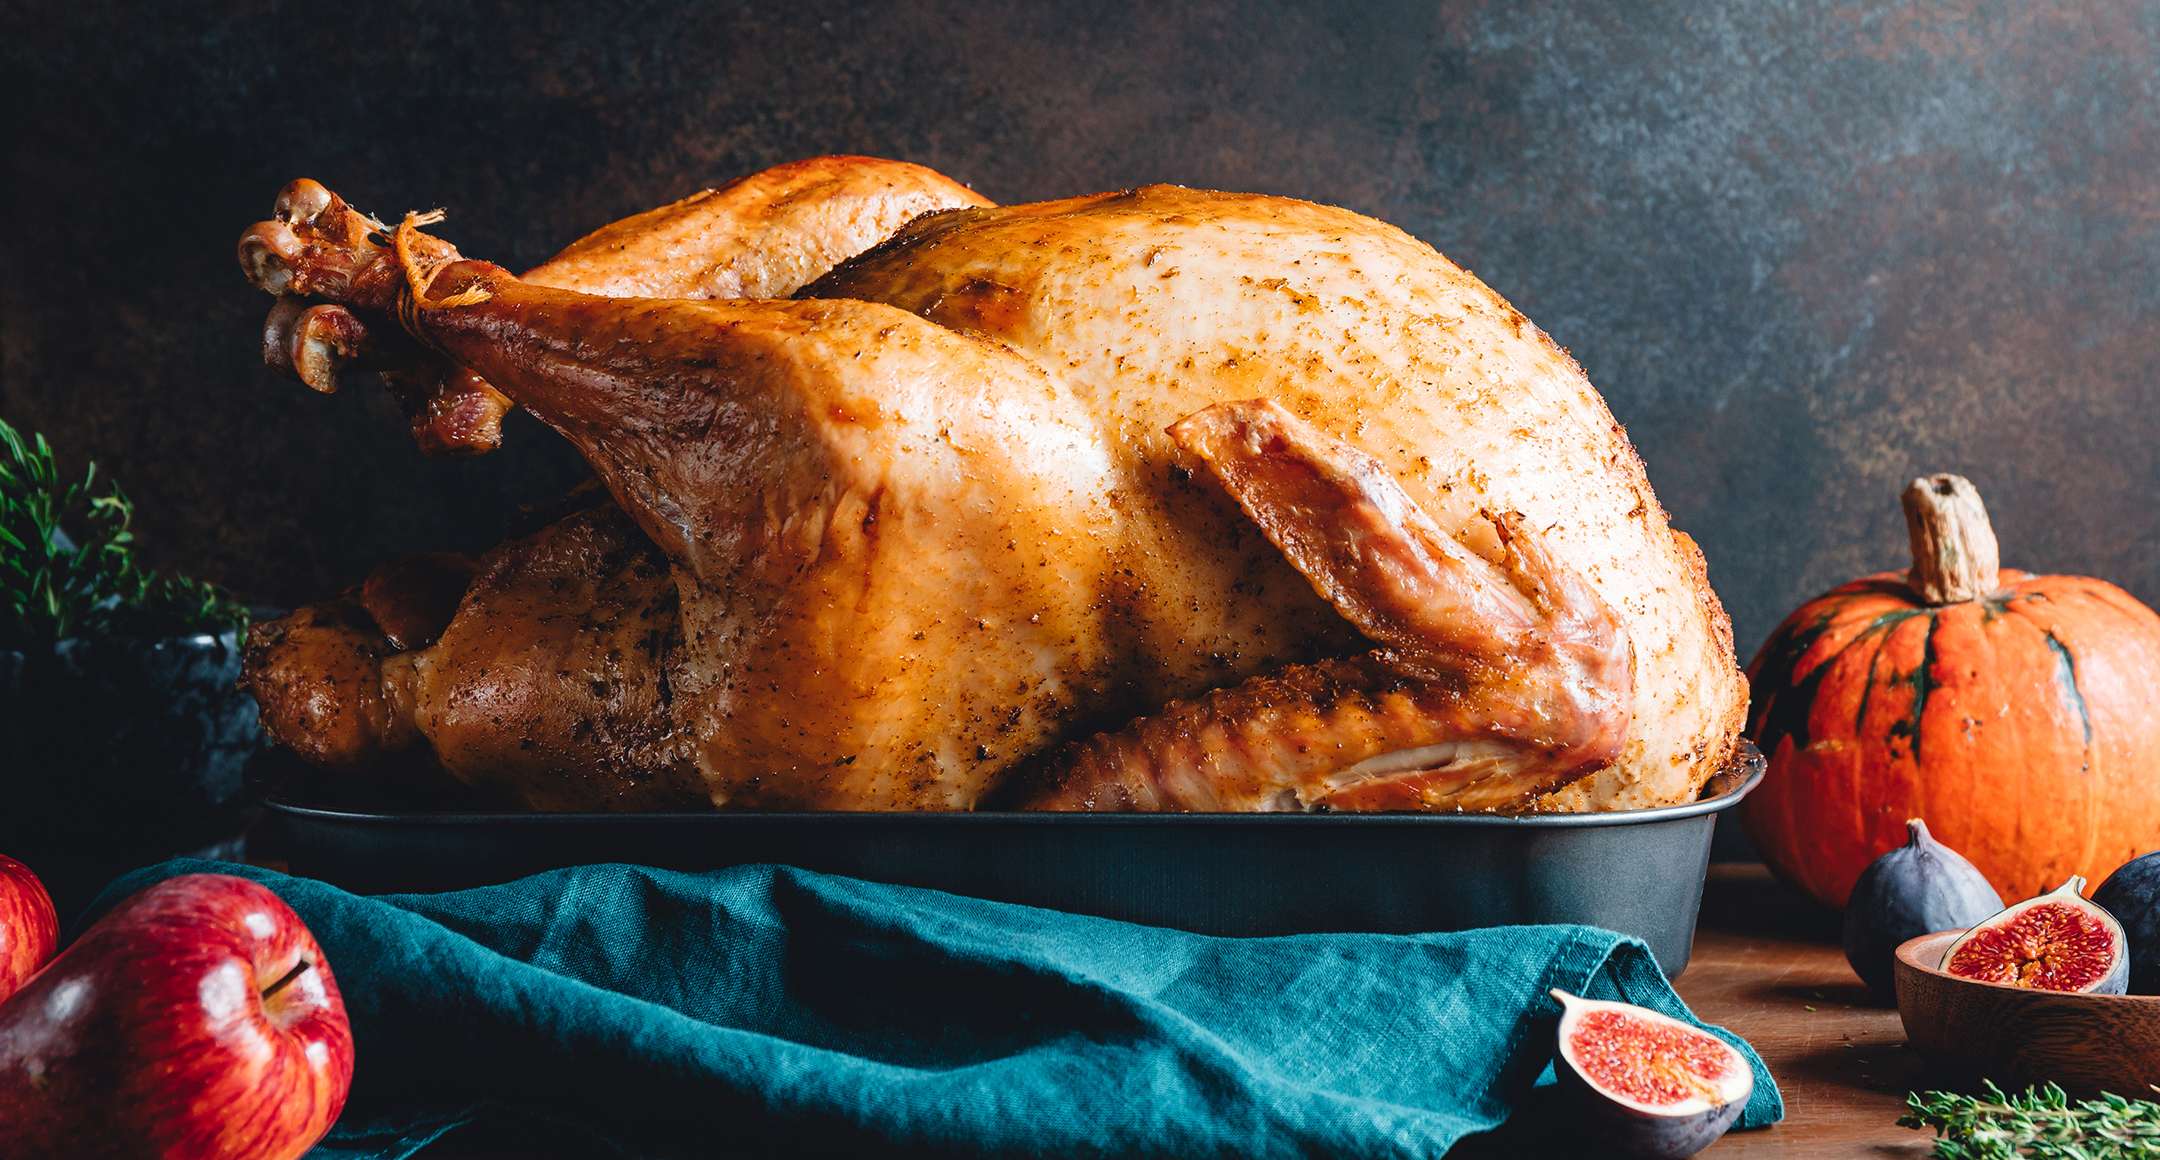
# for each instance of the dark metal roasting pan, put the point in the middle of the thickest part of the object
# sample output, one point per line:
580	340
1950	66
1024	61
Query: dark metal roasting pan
1639	872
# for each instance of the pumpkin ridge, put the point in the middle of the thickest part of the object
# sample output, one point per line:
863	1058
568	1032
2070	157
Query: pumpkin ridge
1923	683
1777	670
2072	600
1768	725
1867	688
1771	726
2066	672
2115	599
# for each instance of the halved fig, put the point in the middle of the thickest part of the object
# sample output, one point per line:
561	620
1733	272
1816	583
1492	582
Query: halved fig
2059	941
1653	1086
1919	888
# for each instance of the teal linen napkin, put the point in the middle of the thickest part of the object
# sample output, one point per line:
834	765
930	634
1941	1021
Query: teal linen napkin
766	1010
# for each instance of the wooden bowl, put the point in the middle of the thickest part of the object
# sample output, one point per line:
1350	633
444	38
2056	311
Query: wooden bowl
2019	1037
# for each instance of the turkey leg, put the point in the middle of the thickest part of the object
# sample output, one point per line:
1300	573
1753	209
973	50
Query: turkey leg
831	483
642	387
1493	683
761	236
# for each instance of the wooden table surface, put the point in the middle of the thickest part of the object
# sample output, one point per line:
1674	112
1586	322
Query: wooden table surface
1766	964
1769	965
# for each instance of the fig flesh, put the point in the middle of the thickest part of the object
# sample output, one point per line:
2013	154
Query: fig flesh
2132	895
1919	888
1652	1086
2058	941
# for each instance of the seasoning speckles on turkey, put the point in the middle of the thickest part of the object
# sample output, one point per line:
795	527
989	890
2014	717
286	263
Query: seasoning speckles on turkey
1163	499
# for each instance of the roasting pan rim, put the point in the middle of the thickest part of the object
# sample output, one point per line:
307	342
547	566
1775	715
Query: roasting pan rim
1723	791
1639	872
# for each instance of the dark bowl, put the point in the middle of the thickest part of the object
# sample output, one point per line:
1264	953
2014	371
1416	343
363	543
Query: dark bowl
1639	872
120	752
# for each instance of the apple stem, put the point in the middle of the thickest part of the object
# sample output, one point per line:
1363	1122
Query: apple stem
299	968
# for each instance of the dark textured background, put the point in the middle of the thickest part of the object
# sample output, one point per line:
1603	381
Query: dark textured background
1806	250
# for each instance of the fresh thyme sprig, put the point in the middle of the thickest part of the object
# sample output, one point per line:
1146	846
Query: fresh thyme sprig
2042	1124
54	586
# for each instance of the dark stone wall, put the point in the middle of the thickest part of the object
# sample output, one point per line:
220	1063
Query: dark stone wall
1806	250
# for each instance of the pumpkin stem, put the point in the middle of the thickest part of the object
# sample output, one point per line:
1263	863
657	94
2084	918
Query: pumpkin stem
1954	558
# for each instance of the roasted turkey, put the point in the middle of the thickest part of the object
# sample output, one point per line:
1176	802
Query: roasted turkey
1164	499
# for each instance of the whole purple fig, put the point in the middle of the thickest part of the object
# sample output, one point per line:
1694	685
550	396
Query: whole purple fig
2132	895
1918	888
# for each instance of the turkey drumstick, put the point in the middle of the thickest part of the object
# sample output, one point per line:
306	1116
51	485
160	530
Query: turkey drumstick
760	236
825	479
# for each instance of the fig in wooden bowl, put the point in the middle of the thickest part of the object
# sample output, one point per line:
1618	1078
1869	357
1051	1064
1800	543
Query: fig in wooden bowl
2057	941
2020	1036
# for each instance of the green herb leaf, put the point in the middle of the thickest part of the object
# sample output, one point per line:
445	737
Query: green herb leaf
54	585
2042	1124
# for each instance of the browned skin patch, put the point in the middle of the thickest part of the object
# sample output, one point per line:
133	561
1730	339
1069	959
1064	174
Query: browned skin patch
317	672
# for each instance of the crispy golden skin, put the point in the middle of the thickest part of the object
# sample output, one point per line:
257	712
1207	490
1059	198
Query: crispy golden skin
928	525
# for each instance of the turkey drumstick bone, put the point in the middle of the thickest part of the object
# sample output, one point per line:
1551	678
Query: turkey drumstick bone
1494	681
760	236
452	411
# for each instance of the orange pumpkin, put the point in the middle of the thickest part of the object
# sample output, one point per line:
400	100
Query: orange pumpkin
2018	714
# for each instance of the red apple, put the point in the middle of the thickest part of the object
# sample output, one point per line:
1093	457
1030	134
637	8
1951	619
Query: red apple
29	930
196	1020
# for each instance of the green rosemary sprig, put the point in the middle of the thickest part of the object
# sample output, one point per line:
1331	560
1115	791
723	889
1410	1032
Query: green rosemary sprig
2042	1123
54	586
